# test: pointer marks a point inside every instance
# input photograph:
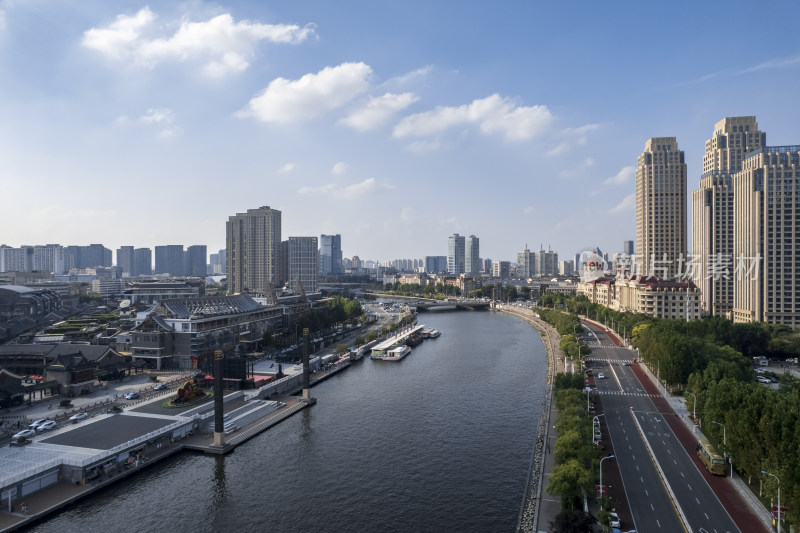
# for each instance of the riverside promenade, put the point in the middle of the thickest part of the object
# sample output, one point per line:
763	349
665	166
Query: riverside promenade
539	507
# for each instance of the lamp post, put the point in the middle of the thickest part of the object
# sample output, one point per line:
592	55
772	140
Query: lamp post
779	497
724	441
601	478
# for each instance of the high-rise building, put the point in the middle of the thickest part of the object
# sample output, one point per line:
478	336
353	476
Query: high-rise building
501	269
661	209
627	248
766	265
49	258
253	241
91	256
196	257
472	256
435	264
456	254
712	208
525	268
125	260
330	255
142	262
566	268
170	259
303	263
217	263
545	263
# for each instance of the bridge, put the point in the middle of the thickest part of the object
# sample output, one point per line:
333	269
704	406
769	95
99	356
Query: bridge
424	306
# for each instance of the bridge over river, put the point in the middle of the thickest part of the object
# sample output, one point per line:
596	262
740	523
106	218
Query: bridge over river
428	305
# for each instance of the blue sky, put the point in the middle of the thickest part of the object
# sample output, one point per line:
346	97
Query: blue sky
394	124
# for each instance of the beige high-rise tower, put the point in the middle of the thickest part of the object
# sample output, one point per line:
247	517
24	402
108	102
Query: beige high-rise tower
661	209
712	211
766	276
252	246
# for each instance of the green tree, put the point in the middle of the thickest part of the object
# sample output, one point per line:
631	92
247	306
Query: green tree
569	481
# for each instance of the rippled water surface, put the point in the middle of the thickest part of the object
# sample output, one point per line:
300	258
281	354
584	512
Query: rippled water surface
440	441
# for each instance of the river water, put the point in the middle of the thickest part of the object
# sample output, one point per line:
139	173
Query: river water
440	441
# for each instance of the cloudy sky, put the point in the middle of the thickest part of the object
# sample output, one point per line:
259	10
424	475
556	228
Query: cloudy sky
394	124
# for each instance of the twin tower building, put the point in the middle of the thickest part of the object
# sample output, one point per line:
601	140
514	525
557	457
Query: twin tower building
745	222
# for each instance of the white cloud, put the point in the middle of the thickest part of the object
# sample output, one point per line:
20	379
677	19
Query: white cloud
164	119
572	137
312	95
288	167
492	114
409	77
341	191
378	111
625	205
339	168
221	44
622	177
407	215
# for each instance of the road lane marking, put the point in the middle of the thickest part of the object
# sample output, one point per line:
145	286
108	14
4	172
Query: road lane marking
652	508
690	487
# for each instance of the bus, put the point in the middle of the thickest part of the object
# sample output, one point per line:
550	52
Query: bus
710	458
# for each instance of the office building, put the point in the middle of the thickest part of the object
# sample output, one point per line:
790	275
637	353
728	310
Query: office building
142	262
766	264
525	263
253	241
303	263
456	254
712	209
330	255
91	256
545	263
217	263
472	259
125	260
435	264
627	248
661	209
196	257
501	269
170	259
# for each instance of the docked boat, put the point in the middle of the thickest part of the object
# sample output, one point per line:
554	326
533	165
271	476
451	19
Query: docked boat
414	340
395	354
430	333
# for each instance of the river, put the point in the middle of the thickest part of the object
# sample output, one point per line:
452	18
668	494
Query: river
440	441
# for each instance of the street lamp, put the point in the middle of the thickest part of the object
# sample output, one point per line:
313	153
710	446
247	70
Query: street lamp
601	480
779	497
724	442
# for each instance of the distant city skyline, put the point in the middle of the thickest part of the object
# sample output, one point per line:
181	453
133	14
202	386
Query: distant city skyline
391	125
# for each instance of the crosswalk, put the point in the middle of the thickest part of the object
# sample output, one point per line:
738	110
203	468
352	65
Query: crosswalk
621	393
609	361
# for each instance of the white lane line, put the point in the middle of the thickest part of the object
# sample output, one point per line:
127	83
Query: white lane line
637	468
651	507
707	518
690	487
659	523
682	475
646	493
641	478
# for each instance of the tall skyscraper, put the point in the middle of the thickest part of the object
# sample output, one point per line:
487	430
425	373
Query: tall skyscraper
143	262
525	263
303	263
627	248
661	209
253	242
712	208
330	255
196	260
125	260
435	264
91	256
766	265
472	256
170	259
545	263
456	254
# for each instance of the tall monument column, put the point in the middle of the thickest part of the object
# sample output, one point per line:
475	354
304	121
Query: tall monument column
219	425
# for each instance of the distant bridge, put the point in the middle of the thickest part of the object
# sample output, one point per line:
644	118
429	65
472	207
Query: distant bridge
450	306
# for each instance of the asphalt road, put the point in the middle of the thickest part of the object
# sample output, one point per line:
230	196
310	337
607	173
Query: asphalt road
651	504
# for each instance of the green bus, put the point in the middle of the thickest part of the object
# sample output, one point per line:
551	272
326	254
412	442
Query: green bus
710	458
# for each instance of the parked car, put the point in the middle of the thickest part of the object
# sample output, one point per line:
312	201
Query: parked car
35	423
160	386
613	519
77	417
25	433
600	375
47	425
131	395
763	379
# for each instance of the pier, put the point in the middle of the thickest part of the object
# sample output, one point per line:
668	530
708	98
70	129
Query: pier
397	340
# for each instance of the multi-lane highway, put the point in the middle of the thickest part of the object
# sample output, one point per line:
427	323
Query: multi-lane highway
665	490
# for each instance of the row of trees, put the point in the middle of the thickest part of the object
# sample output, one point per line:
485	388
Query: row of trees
575	456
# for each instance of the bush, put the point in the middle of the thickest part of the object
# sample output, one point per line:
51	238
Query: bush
153	377
65	403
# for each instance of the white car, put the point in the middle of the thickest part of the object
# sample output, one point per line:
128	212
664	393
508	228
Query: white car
600	375
47	425
27	433
77	417
613	519
35	423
